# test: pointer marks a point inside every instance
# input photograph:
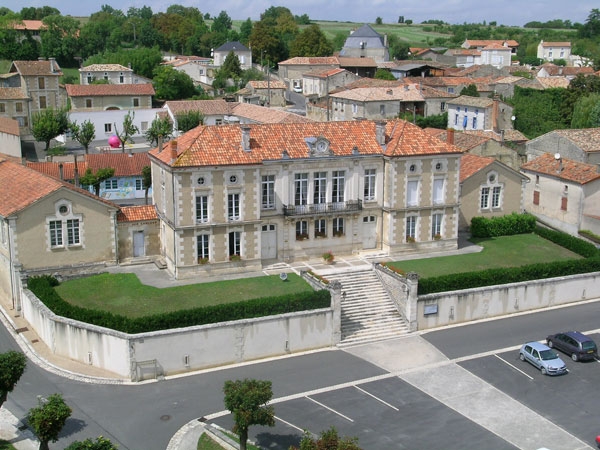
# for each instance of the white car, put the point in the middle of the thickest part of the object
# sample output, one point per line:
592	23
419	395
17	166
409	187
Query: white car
298	89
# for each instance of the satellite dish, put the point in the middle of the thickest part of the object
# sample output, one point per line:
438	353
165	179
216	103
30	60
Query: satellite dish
557	156
512	118
283	276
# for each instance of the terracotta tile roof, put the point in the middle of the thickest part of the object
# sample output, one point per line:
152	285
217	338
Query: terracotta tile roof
496	46
221	145
471	164
509	135
311	61
97	90
261	114
9	126
587	139
553	82
125	164
139	213
206	107
32	68
464	141
566	169
52	169
12	93
324	73
480	102
29	25
406	93
105	68
265	84
555	44
485	42
463	52
32	186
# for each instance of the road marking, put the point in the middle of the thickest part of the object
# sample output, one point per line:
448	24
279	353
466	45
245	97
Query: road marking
330	409
377	398
514	367
289	424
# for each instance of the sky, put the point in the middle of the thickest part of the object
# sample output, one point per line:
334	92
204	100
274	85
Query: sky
504	12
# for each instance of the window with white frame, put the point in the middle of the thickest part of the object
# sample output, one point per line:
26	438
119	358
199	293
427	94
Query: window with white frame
121	78
203	246
268	192
438	191
320	228
485	198
412	193
301	189
139	184
55	232
201	208
354	108
111	184
338	182
73	237
301	230
496	194
233	206
235	243
144	126
436	225
369	188
411	228
108	127
338	226
320	188
64	228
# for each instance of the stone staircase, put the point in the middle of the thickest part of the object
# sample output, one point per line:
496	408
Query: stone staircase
368	313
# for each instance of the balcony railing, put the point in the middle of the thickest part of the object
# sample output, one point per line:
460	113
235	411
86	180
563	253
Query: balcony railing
322	208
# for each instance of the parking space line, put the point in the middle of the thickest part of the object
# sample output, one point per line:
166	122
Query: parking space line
514	367
377	398
289	424
330	409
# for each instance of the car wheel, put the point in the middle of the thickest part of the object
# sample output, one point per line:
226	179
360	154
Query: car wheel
543	369
550	344
574	357
521	356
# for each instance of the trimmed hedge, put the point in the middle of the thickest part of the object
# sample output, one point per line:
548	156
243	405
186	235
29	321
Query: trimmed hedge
507	225
43	288
540	271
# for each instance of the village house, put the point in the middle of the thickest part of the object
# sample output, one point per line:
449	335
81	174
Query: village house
235	196
321	82
563	193
110	73
291	71
365	42
479	113
581	145
479	44
10	137
243	53
488	188
265	93
550	51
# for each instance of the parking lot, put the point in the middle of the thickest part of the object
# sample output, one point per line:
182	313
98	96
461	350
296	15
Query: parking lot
490	400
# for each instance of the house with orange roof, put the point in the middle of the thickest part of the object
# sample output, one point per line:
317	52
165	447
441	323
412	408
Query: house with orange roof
236	196
550	51
577	144
49	226
292	70
496	55
320	82
31	28
138	234
563	193
377	103
482	43
263	92
111	73
488	188
10	137
479	113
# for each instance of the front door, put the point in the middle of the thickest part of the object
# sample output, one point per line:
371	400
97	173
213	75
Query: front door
139	249
268	242
369	232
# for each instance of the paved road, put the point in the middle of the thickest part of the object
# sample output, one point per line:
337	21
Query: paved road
404	393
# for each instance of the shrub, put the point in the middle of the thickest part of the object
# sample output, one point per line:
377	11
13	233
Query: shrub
575	244
508	225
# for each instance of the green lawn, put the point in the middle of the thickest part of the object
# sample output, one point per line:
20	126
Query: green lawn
5	445
123	294
504	251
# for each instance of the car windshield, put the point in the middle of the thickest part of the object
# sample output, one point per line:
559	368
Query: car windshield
588	345
547	355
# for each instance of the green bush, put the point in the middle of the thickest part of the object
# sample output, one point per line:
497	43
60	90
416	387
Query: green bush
43	288
507	225
575	244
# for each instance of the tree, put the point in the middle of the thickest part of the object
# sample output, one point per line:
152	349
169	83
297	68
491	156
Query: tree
90	178
378	21
129	129
470	90
384	74
247	400
49	123
171	84
231	66
328	440
146	181
12	366
583	111
222	23
160	128
48	418
101	443
311	42
188	120
84	133
60	39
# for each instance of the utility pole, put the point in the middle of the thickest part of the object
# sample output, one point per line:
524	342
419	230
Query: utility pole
327	94
268	84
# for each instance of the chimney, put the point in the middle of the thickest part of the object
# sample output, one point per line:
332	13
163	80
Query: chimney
160	144
245	138
380	132
52	65
173	145
75	171
60	172
450	136
495	126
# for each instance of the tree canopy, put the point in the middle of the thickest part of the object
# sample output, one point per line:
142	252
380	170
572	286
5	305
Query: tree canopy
170	84
311	42
48	418
48	124
12	366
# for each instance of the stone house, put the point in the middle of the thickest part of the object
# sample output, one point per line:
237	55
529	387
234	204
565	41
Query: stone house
243	53
264	93
231	197
365	42
479	113
103	97
563	193
549	51
488	188
10	137
112	73
581	145
138	234
320	82
291	71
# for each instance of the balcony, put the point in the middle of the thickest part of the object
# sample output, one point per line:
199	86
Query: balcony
323	208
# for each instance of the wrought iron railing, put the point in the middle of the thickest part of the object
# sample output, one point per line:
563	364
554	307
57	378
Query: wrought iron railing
322	208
